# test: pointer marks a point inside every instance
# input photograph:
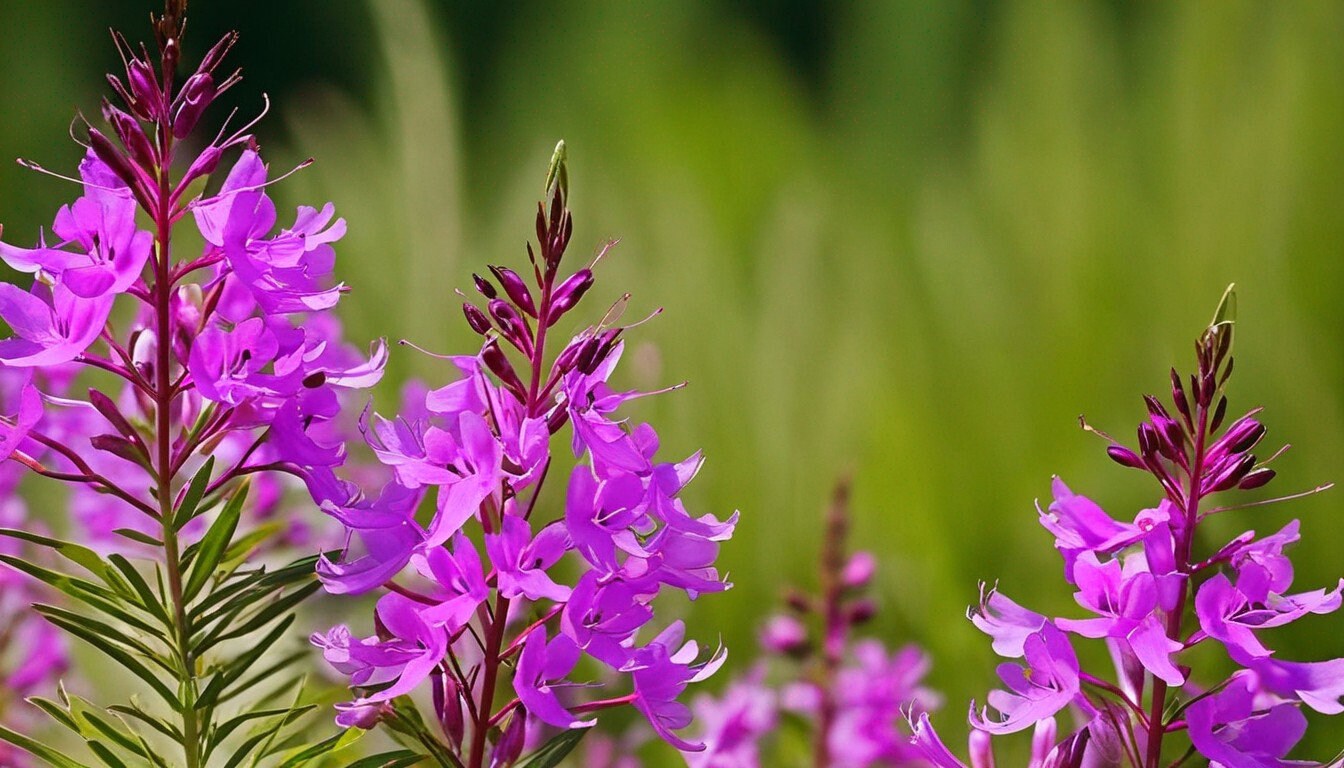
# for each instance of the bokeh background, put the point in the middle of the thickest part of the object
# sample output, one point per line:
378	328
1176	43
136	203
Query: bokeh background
911	241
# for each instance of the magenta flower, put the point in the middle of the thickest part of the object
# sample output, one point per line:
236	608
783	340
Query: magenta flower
101	251
1232	729
549	591
1146	586
1047	684
51	324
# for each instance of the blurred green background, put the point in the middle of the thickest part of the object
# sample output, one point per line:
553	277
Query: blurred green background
911	240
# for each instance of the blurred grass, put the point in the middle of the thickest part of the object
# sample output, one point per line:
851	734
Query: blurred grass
919	257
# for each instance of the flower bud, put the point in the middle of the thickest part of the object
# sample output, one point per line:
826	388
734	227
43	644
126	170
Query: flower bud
1256	478
1230	472
1125	457
498	363
113	157
217	53
1147	440
510	322
861	612
859	570
484	286
476	318
568	356
515	288
783	634
570	293
1218	413
1243	435
510	744
362	716
447	698
1178	395
120	447
196	95
132	136
144	88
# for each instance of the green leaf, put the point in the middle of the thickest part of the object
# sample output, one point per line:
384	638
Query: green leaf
108	757
326	746
239	665
263	617
226	729
191	501
57	712
555	750
398	759
91	632
92	595
140	536
214	543
82	556
167	729
38	749
149	601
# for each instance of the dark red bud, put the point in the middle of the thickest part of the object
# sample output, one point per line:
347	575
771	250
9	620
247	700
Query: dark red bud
798	602
1256	478
1219	412
104	405
1125	457
218	52
144	88
510	744
499	364
196	95
570	293
447	699
1231	472
587	351
484	286
1147	439
120	447
557	419
569	356
1178	395
862	612
476	318
1155	407
512	326
1244	435
132	137
113	158
515	288
172	52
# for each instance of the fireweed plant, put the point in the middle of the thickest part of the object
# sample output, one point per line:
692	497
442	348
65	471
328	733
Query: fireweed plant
158	382
849	693
1154	591
491	604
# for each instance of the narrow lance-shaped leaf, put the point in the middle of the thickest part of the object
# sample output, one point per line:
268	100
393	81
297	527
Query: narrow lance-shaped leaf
214	543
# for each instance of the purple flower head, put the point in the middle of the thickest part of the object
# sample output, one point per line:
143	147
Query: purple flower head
101	251
1154	593
1047	684
497	595
661	671
1236	728
51	324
